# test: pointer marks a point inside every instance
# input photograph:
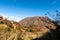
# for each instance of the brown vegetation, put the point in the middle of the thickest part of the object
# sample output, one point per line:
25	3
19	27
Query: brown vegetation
31	28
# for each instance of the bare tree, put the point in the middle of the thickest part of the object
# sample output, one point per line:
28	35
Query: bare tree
57	19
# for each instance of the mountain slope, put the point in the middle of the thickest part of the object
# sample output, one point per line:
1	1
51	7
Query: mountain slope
31	28
37	22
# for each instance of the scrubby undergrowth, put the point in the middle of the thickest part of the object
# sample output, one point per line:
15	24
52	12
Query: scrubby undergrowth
36	28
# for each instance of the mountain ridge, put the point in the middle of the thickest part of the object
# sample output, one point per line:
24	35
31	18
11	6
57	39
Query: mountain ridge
31	28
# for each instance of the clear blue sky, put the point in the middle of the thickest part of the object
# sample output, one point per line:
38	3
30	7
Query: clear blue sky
19	9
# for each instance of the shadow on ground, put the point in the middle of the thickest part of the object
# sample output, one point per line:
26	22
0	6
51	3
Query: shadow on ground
53	35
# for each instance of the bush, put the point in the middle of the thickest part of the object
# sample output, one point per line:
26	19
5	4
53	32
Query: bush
7	29
1	28
2	22
10	25
29	30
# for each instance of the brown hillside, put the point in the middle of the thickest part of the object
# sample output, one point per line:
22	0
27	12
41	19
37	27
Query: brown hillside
31	28
37	22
